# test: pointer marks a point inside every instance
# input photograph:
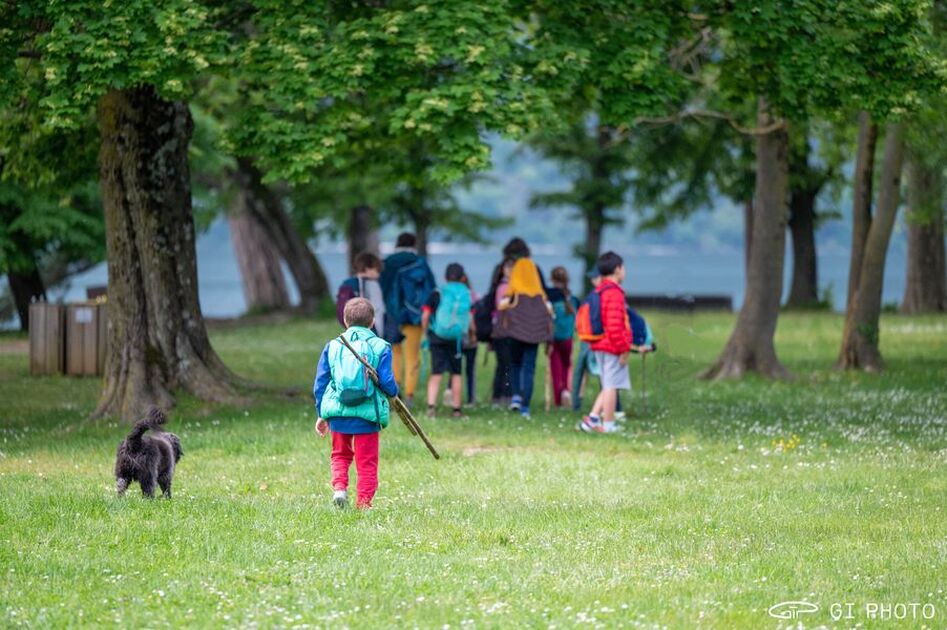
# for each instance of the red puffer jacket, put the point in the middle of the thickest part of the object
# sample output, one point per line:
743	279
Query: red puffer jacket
617	339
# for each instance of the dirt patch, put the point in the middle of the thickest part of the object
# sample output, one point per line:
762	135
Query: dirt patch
14	346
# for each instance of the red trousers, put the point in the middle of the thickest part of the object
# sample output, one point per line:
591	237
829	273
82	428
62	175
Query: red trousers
363	448
560	360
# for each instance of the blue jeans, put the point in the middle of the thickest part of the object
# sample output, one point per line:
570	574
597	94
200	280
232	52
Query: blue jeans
523	370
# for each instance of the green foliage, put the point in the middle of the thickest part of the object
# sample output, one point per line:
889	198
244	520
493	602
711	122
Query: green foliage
681	168
332	89
84	48
598	165
49	200
926	131
612	57
47	226
818	56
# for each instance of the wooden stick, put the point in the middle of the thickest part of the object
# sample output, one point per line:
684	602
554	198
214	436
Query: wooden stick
400	408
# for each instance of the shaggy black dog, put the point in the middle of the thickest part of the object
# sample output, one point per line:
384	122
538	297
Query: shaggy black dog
147	459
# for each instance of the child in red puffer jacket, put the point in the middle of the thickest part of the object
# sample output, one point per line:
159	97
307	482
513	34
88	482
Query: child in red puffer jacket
611	351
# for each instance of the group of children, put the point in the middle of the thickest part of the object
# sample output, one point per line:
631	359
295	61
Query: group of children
393	311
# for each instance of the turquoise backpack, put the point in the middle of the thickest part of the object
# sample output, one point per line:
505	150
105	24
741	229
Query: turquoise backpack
349	376
452	318
352	393
563	322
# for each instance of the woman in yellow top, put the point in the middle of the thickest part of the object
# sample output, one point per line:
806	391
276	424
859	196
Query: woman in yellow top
526	319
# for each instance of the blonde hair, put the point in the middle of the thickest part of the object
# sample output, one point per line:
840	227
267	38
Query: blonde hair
358	312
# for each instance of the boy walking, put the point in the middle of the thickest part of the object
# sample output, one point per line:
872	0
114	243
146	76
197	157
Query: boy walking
351	406
611	350
447	321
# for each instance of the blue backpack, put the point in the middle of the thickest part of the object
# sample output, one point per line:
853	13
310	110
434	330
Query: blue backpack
452	318
413	284
640	331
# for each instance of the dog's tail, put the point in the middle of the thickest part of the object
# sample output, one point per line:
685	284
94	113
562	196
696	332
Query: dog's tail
154	419
176	445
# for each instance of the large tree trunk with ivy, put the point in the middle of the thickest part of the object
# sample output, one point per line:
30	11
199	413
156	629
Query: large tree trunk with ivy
361	233
157	340
258	259
266	206
26	287
750	347
862	186
860	336
804	287
925	290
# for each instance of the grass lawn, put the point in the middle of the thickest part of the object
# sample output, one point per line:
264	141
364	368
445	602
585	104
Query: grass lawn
718	502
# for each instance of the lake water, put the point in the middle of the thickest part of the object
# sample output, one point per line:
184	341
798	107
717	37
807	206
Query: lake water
651	269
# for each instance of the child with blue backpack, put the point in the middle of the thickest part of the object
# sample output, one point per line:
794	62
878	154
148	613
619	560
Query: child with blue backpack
365	283
446	318
350	405
406	282
564	307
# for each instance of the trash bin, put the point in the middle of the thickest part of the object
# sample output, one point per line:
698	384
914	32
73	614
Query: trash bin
47	329
85	339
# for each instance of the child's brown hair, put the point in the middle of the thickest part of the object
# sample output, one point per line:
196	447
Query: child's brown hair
358	312
560	277
365	261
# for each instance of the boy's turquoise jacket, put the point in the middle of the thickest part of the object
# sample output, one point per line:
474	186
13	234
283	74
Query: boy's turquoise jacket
368	416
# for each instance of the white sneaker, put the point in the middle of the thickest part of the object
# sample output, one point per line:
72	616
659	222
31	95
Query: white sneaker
341	499
588	424
620	416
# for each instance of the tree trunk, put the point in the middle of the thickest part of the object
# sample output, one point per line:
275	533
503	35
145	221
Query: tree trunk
595	211
26	287
265	204
747	236
258	259
925	289
362	234
157	338
421	225
591	249
860	337
804	289
750	347
863	181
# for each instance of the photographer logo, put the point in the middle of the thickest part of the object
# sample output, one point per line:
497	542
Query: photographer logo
792	610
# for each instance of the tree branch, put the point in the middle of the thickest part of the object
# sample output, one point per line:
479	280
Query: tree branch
623	131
